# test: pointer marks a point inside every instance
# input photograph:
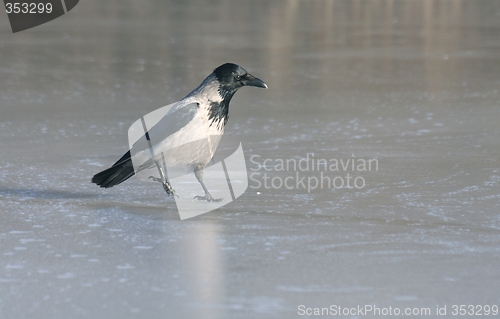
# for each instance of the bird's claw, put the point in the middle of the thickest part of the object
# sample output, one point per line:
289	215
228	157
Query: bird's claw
209	198
166	185
156	179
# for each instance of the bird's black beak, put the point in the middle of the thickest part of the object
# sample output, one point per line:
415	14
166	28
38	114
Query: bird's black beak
253	81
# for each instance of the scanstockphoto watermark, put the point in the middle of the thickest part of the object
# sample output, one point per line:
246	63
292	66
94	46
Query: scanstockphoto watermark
310	172
464	310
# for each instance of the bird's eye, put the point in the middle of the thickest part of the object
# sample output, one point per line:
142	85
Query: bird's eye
237	77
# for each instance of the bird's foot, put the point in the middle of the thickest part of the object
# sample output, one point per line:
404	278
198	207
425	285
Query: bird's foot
166	185
209	198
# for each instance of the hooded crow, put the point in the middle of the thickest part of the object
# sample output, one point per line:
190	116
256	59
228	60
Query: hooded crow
187	136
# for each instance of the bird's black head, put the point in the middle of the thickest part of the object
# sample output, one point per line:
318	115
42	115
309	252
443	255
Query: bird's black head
232	77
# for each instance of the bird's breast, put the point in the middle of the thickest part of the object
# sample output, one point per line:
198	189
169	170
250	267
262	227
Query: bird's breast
195	143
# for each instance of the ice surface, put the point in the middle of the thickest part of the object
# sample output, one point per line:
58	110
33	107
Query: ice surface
413	84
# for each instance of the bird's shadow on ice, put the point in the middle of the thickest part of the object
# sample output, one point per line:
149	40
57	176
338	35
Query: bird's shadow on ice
164	209
44	193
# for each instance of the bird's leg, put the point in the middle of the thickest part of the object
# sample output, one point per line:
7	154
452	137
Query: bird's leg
198	172
163	180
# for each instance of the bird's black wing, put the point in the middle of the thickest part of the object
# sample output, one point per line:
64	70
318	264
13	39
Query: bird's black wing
123	169
176	119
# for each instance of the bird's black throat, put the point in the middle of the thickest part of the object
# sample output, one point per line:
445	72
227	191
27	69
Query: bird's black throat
218	112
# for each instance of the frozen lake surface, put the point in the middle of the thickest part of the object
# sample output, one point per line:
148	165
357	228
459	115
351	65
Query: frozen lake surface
411	85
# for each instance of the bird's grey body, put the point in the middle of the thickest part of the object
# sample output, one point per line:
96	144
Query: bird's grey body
186	124
187	136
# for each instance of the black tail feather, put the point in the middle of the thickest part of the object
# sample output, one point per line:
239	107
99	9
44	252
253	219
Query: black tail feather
116	174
